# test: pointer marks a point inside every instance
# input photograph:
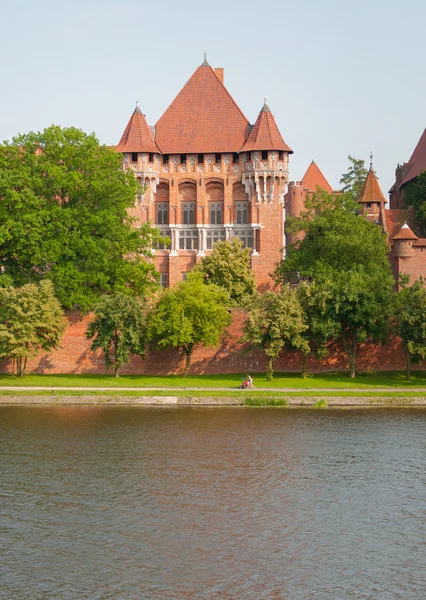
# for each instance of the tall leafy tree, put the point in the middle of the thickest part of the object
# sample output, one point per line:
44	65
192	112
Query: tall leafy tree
353	181
344	258
64	203
189	314
410	322
229	266
275	321
31	320
119	329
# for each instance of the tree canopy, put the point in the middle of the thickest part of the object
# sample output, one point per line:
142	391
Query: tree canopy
229	266
64	203
344	258
410	322
353	181
31	319
189	314
415	196
118	329
274	321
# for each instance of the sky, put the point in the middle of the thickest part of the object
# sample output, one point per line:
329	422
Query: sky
340	77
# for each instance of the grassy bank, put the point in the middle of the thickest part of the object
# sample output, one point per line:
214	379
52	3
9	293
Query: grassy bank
339	381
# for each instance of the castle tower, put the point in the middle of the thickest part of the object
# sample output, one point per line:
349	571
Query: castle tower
372	202
297	193
265	157
212	177
142	156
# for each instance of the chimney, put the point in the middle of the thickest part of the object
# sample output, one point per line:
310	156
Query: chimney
219	73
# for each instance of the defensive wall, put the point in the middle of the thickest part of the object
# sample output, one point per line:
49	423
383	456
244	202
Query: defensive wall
75	357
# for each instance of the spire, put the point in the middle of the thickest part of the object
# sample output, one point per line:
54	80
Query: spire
371	191
405	233
137	136
205	63
265	134
371	160
314	178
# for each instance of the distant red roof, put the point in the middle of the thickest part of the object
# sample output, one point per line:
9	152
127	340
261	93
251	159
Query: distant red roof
202	118
265	134
137	136
395	218
417	160
313	178
371	191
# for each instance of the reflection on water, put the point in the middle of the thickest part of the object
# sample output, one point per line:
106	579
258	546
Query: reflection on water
226	503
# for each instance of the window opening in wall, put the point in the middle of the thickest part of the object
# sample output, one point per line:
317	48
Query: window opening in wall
241	216
235	158
184	276
165	159
368	204
246	236
188	213
165	233
183	159
200	159
161	213
248	157
217	158
281	155
150	157
264	155
188	239
213	236
216	213
134	157
164	280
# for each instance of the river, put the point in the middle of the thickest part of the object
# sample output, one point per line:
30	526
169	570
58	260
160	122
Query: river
212	503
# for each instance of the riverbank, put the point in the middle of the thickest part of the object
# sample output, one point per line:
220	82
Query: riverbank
322	401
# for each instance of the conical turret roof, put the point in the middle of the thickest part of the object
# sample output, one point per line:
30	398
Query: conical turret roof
314	177
405	233
371	191
137	136
265	134
202	118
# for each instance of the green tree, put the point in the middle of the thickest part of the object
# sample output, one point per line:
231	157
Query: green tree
64	203
276	320
415	196
410	322
119	329
229	266
31	319
191	313
344	258
353	181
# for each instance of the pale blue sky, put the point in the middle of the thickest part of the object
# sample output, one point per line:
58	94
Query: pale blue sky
340	77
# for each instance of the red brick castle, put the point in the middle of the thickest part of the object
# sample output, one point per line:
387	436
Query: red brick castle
207	174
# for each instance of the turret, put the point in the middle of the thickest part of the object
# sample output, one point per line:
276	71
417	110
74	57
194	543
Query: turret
371	201
403	242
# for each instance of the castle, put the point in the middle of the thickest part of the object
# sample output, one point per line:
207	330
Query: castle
207	174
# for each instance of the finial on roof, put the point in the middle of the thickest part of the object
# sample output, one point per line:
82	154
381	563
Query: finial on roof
405	226
266	107
137	109
371	160
313	161
205	63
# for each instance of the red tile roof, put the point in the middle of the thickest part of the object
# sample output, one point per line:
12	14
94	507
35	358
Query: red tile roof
417	160
314	177
265	134
405	233
371	191
395	218
137	136
202	118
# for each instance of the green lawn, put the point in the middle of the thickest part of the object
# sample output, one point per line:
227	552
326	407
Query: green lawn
231	382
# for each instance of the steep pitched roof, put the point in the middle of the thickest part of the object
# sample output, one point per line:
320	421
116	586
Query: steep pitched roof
417	160
137	136
265	134
371	191
202	118
405	233
314	177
